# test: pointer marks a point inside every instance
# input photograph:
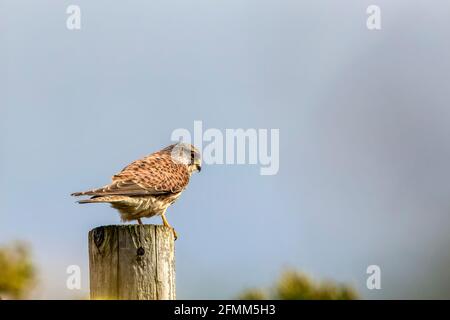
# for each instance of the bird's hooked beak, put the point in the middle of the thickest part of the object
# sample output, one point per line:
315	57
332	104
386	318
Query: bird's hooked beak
199	167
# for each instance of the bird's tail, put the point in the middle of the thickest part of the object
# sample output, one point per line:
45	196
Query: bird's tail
88	193
106	199
94	200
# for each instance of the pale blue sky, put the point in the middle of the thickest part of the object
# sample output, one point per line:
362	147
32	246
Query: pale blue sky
364	123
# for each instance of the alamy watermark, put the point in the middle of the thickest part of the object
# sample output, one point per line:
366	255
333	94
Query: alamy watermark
235	146
73	281
374	279
373	21
73	21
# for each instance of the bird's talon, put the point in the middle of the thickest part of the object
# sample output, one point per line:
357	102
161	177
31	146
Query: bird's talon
175	235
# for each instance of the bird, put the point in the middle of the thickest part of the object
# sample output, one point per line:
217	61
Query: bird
148	186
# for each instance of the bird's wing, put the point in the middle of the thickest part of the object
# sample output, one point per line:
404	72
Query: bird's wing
152	175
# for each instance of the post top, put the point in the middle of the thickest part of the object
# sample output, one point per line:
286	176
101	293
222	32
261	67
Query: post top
131	227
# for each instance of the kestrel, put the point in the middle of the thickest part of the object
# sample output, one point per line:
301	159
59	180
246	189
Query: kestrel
147	187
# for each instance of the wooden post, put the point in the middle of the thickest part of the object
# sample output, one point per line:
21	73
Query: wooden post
132	262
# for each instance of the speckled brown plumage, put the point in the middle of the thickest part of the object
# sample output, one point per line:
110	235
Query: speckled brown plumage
148	186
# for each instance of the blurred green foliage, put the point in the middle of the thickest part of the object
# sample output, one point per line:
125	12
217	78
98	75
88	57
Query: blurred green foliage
17	272
294	285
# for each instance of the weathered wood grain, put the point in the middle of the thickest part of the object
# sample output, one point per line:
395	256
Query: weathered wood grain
132	262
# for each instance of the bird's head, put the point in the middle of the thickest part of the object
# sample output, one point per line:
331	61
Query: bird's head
186	154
